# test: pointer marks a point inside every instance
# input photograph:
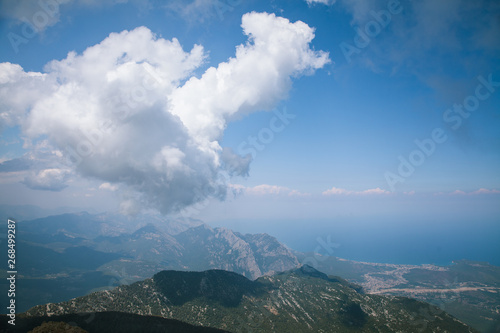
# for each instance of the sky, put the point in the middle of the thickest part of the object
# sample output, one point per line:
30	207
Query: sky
245	112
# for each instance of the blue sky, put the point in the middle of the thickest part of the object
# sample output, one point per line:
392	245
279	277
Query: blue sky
347	108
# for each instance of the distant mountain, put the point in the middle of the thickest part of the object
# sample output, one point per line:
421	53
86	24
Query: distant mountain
250	255
163	244
299	300
76	225
90	226
30	212
147	243
70	255
101	322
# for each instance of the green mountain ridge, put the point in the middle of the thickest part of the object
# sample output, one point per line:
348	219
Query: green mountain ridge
298	300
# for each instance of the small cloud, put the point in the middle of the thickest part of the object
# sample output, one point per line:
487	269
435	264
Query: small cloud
485	191
377	190
336	191
108	187
409	193
267	189
458	192
47	180
476	192
341	191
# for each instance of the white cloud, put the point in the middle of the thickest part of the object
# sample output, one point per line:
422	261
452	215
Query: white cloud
14	83
341	191
47	179
119	110
476	192
277	50
485	191
40	168
374	191
458	192
108	187
265	189
336	191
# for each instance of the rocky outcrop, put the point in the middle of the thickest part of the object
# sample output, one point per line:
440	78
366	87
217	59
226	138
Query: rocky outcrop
249	255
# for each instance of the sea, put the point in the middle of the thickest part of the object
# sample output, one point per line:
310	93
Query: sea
396	242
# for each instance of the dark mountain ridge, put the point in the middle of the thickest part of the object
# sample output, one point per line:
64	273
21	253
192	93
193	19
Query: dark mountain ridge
106	322
299	300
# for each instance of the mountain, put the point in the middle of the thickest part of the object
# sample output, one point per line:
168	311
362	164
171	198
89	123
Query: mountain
147	243
298	300
250	255
152	242
466	289
101	322
82	225
66	256
196	248
70	255
89	226
30	212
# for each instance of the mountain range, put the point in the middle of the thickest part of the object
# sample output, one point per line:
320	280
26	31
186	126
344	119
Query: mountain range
70	255
177	244
298	300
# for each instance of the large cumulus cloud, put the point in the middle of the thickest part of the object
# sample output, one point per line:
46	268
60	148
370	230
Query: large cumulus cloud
128	111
